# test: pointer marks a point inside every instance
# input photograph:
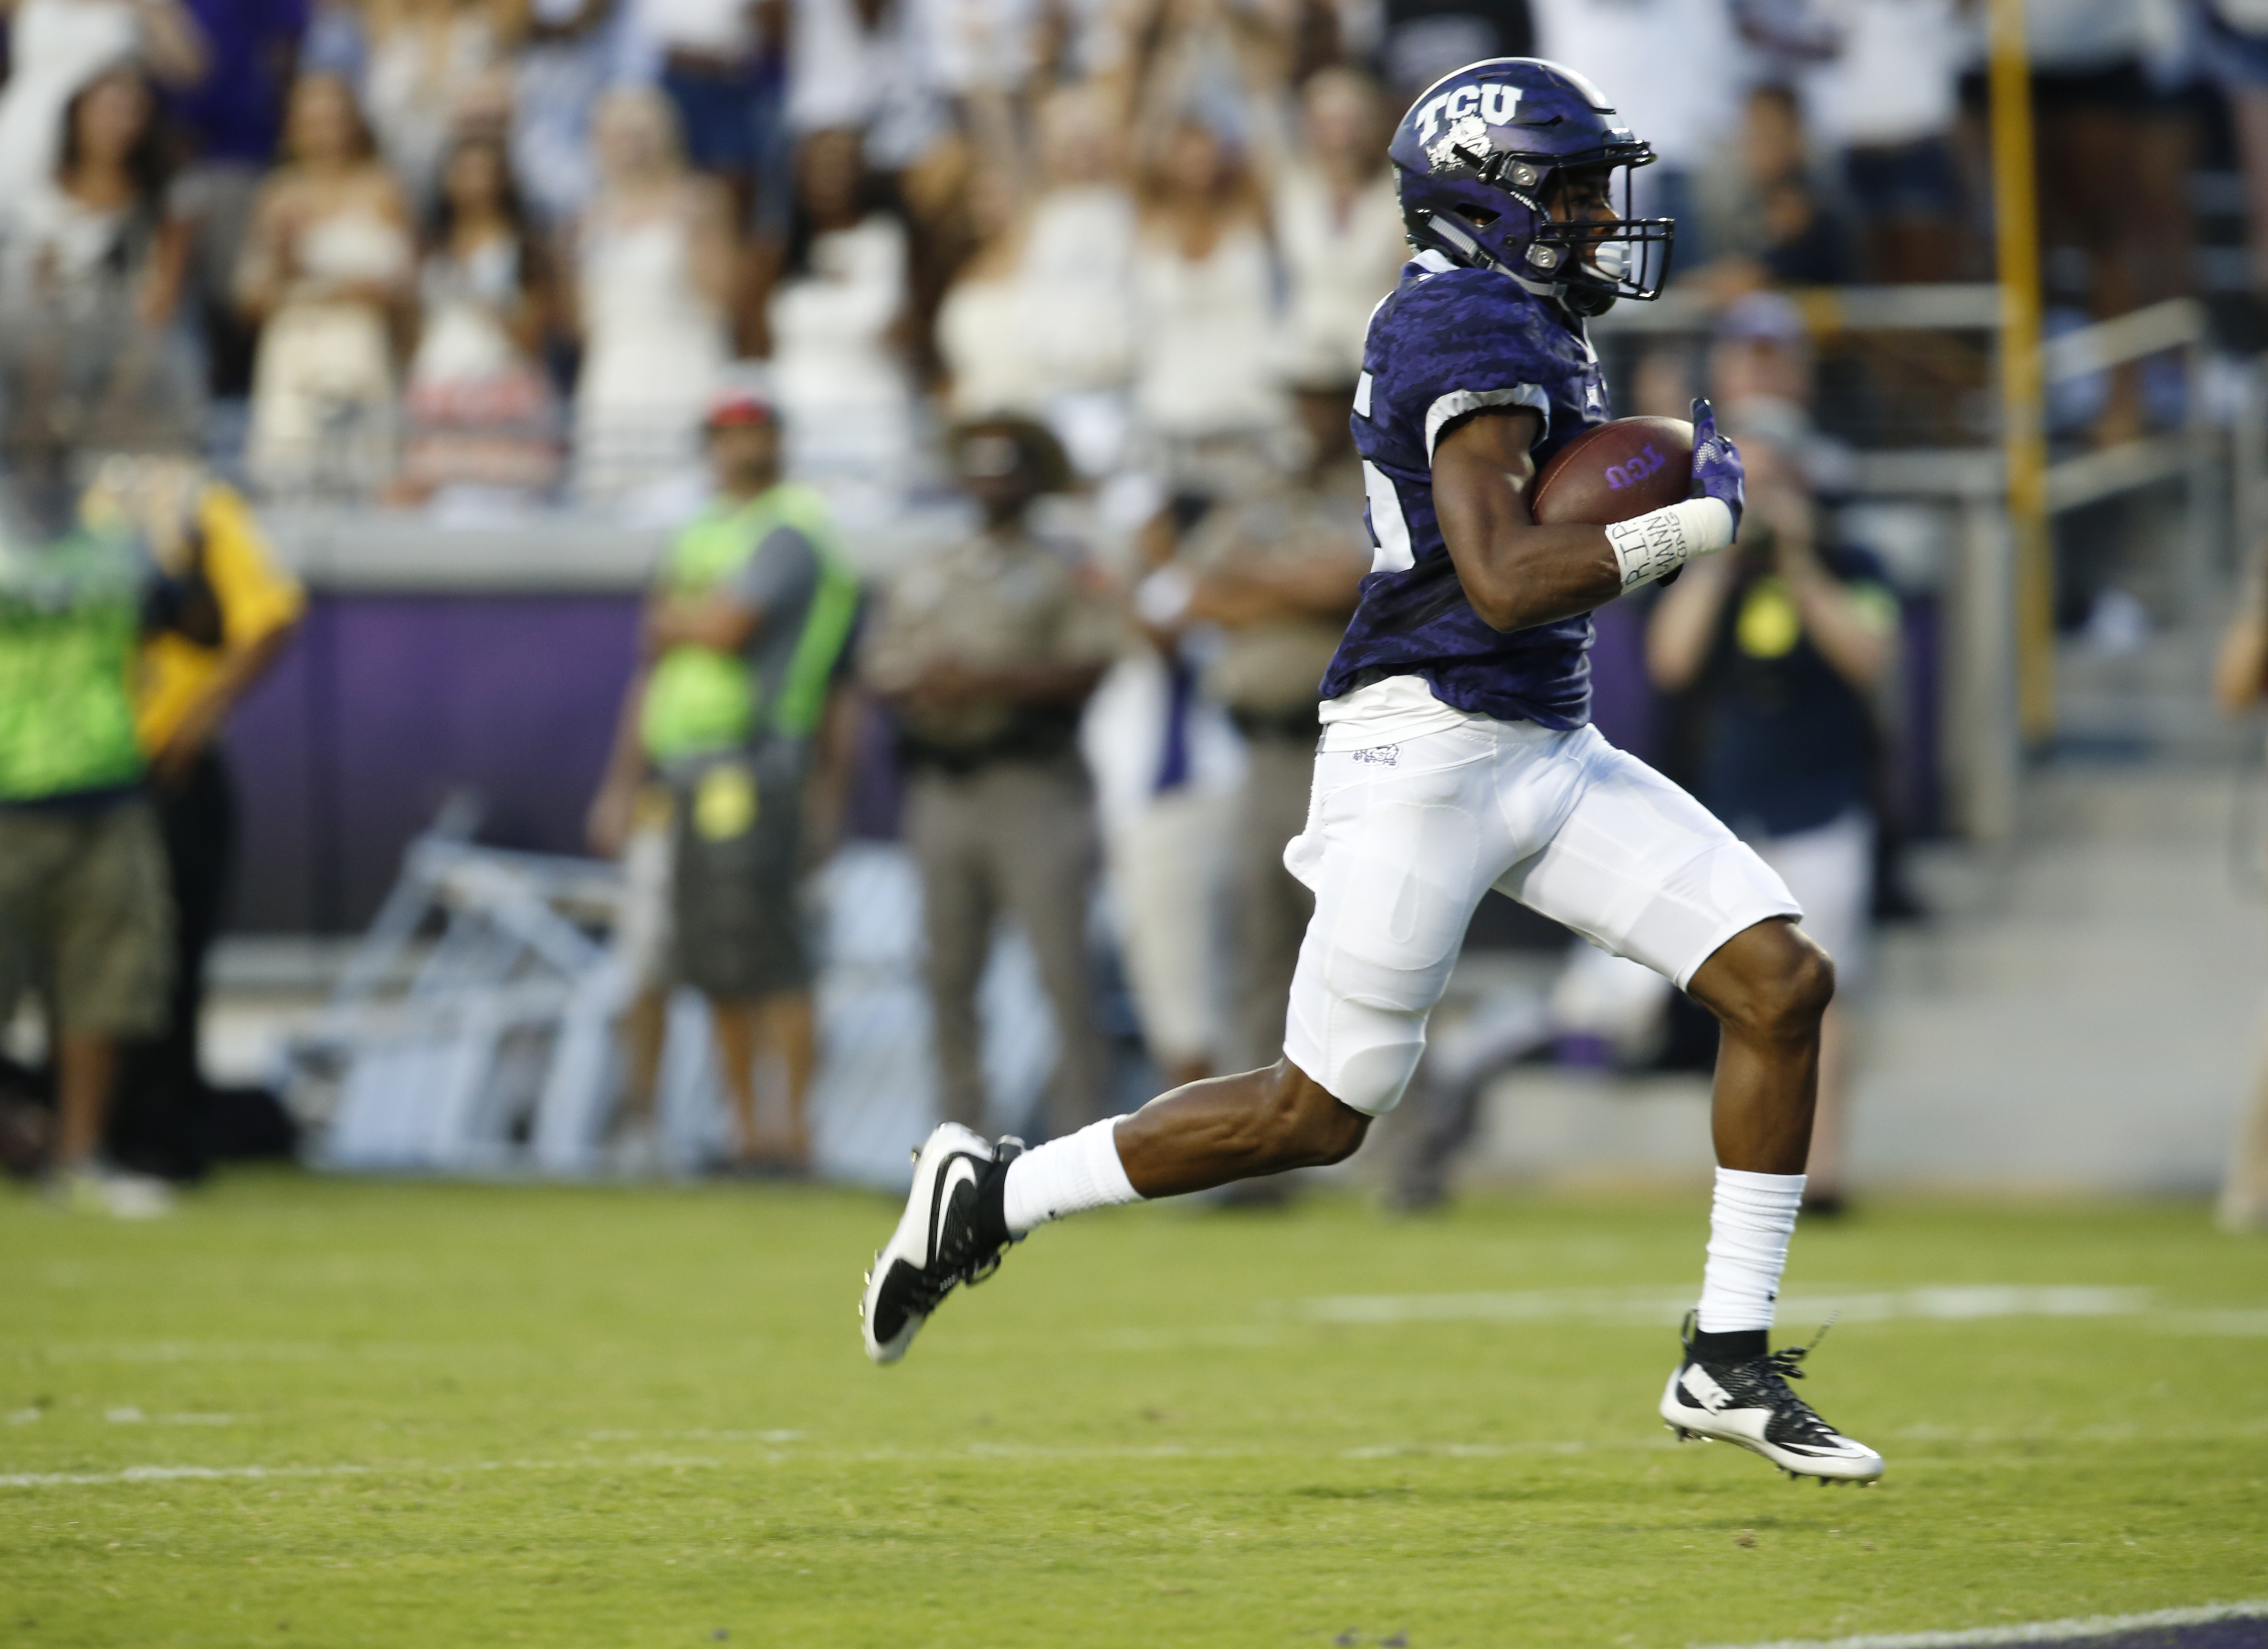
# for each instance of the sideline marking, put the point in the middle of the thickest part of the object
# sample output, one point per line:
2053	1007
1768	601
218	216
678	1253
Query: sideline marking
2037	1631
976	1452
1951	1303
256	1474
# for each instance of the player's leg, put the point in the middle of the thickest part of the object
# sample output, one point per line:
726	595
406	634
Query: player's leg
1399	849
1768	986
1642	869
1227	1128
1830	872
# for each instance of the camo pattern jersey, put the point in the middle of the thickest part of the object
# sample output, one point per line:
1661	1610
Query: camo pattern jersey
1445	342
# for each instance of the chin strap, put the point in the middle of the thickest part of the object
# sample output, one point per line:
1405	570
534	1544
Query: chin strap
1478	257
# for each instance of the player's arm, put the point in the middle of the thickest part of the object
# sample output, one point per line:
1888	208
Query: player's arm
1515	573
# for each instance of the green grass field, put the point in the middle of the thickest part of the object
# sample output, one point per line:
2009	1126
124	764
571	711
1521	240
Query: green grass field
435	1414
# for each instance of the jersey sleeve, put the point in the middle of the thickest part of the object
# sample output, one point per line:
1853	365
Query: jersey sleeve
1465	341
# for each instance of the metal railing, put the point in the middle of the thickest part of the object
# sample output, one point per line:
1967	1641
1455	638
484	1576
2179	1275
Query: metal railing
1981	745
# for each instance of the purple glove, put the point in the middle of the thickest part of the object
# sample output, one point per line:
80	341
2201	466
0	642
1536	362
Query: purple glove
1717	472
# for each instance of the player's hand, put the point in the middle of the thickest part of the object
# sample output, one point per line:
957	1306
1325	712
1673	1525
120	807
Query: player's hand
1717	472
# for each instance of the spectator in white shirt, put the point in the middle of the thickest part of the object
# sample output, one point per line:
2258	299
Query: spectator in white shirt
1674	70
1338	226
1204	378
1887	101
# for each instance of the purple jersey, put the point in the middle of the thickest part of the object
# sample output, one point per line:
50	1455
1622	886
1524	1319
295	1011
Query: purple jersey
1449	341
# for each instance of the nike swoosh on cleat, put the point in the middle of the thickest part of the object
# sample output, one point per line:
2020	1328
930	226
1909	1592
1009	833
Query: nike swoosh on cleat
966	1168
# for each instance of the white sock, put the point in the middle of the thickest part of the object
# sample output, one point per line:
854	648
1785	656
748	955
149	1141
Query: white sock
1749	1223
1067	1176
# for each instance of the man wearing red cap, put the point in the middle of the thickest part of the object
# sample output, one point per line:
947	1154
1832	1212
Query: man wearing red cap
750	611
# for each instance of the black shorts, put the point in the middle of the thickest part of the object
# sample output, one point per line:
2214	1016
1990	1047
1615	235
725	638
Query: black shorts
736	909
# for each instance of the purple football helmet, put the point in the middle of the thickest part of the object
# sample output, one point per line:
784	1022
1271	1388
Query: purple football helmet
1475	157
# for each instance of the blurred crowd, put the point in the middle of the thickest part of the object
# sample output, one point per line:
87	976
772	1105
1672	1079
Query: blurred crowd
1097	273
492	251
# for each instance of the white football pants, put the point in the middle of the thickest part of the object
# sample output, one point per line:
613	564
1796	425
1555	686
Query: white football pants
1403	839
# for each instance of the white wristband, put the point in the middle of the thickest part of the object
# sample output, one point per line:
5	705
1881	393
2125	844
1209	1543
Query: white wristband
1659	542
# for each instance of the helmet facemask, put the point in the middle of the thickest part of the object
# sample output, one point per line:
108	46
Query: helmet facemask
1498	213
1596	258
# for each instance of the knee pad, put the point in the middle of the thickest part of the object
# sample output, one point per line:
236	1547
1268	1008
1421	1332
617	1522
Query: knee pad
1370	1053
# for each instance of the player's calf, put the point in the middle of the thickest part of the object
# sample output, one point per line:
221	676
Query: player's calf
1768	986
971	1200
1227	1129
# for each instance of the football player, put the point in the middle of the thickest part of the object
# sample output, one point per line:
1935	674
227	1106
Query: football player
1458	755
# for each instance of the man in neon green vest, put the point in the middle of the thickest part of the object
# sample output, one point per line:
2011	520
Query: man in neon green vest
85	912
748	616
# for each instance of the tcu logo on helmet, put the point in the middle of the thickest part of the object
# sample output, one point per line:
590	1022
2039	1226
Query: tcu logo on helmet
1621	475
1495	103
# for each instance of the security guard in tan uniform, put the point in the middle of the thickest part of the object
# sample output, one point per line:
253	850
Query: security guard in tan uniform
987	652
1277	572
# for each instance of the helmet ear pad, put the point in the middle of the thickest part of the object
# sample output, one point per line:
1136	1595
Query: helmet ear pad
1500	224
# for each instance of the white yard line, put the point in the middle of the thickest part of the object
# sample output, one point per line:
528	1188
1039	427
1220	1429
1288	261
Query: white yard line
976	1452
133	1475
1634	1306
2035	1631
1963	1302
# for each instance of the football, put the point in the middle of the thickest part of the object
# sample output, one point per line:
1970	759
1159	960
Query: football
1614	472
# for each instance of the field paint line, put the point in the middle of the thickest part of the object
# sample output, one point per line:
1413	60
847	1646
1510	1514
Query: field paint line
2035	1631
172	1474
197	1351
775	1453
2244	1323
973	1452
1944	1303
1235	1336
134	1474
1494	1450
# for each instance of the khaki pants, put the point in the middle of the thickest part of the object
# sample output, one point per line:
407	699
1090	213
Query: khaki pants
86	914
1269	908
1167	871
1015	839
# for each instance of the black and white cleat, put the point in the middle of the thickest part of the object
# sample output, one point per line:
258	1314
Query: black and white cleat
937	1244
1751	1404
